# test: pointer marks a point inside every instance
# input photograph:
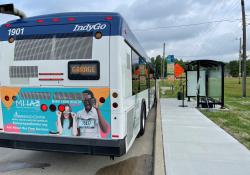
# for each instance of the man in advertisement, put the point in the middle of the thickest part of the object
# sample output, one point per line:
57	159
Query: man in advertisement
90	122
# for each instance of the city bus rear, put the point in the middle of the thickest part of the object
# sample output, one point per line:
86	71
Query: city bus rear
52	67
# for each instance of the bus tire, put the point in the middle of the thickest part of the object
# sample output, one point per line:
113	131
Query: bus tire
142	120
155	100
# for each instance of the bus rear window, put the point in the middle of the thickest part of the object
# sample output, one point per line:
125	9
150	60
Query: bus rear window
54	47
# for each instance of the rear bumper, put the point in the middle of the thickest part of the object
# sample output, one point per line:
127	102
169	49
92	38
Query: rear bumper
63	144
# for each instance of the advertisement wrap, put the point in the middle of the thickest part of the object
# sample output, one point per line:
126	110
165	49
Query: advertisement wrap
67	112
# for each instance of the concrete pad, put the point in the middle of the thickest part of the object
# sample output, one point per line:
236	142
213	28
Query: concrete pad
194	145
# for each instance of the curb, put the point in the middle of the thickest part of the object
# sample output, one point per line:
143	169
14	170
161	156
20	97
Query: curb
159	161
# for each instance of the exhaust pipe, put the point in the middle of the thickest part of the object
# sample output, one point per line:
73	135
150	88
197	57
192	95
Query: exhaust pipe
11	10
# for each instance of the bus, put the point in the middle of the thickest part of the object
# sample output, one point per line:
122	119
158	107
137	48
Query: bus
73	82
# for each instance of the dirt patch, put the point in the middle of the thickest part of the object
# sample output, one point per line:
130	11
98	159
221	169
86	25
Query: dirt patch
11	166
141	165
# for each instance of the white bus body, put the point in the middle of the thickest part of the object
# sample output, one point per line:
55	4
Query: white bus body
34	83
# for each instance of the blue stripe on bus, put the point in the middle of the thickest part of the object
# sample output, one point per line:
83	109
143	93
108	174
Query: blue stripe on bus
115	27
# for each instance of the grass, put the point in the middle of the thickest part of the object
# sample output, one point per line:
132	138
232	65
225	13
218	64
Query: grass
235	120
171	88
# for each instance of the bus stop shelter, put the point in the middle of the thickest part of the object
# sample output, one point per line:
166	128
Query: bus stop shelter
205	81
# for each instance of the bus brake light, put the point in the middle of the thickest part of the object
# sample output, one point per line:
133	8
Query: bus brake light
52	108
61	108
7	98
44	107
102	100
115	105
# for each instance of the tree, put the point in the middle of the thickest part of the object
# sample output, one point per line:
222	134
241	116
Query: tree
158	66
233	67
180	62
248	67
152	60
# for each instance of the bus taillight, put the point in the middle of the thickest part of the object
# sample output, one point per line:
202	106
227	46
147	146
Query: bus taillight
61	108
115	95
44	107
14	98
115	105
102	100
52	108
7	98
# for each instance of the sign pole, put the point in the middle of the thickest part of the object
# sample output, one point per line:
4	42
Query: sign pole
163	60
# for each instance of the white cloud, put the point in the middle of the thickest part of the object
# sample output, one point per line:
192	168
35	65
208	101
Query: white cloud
201	41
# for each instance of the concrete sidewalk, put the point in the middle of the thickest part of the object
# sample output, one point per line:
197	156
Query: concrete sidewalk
194	145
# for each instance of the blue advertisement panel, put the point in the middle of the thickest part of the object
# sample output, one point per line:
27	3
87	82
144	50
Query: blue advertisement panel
170	59
170	65
71	112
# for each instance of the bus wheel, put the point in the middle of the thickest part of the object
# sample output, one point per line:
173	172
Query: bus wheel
155	100
142	120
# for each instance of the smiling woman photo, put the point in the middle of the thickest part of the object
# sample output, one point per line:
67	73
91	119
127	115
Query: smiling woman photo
66	122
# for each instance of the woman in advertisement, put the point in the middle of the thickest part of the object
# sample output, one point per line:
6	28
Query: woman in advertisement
66	122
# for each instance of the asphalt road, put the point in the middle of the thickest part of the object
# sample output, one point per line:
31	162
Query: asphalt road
138	161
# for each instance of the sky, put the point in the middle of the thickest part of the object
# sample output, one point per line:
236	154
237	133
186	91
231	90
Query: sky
156	22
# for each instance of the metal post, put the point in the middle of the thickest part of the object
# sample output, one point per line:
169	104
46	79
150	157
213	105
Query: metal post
183	98
240	61
244	74
163	60
198	90
222	86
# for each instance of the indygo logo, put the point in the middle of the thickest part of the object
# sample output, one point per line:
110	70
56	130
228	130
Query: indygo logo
89	27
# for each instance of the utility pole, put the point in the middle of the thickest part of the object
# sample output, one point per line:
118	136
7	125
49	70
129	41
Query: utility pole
244	47
240	61
163	61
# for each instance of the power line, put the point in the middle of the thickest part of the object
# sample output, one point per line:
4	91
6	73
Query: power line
200	56
188	25
230	5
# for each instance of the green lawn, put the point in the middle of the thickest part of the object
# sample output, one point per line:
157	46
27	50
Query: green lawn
235	120
169	93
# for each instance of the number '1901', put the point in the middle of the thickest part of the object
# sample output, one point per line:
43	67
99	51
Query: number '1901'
17	31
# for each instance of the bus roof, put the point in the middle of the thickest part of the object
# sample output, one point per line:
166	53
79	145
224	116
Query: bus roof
118	24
